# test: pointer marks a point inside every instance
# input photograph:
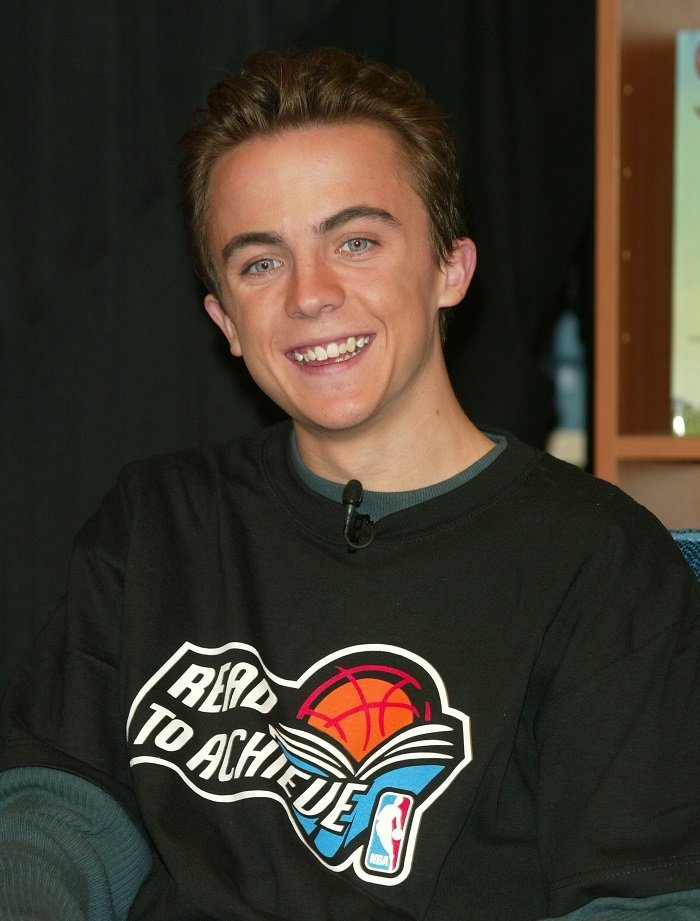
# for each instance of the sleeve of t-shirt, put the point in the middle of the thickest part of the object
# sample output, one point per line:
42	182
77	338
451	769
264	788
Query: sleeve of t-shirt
618	727
68	851
63	708
66	784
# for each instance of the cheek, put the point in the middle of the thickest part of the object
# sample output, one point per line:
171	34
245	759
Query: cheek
246	328
256	346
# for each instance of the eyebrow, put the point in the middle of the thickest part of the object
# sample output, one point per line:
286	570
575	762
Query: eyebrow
252	238
354	212
344	216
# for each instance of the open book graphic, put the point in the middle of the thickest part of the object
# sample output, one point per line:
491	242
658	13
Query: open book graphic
417	743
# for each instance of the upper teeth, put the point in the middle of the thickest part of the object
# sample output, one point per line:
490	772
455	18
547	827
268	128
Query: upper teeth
340	350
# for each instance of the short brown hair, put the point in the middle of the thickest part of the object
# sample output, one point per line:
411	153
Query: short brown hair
277	92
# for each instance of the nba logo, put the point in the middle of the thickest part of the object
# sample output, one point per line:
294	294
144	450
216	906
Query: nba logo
388	832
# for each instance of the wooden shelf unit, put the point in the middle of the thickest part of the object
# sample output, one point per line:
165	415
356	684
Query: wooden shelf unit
632	439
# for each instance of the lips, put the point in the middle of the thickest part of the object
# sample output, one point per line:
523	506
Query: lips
331	352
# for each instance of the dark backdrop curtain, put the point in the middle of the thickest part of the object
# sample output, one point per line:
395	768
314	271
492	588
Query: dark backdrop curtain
106	353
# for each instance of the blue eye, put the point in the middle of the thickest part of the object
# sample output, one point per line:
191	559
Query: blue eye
356	245
262	266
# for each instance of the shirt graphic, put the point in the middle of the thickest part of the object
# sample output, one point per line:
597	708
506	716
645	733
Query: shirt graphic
356	749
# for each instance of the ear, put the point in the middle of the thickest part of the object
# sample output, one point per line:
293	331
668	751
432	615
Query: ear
213	307
458	271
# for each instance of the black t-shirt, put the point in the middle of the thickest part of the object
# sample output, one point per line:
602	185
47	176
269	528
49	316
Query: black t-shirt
491	712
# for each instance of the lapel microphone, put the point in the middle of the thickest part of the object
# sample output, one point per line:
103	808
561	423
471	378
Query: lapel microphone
354	523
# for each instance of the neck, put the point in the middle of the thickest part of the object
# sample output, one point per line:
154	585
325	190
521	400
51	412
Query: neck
437	445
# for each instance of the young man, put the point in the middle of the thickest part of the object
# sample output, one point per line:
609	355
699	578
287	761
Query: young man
374	662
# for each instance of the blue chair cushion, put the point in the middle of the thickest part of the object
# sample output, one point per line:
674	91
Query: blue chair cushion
689	542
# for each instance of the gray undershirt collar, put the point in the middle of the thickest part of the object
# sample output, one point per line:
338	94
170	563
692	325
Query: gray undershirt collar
379	504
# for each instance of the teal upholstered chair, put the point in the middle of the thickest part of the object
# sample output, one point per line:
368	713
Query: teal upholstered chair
689	542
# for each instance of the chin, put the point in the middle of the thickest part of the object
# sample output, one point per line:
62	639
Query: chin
337	423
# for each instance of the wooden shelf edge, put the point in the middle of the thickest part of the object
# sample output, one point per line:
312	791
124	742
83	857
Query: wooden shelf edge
607	233
657	448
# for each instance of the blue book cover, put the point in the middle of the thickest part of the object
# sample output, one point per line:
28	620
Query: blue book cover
685	333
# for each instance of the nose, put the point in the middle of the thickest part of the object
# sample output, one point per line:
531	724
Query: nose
314	288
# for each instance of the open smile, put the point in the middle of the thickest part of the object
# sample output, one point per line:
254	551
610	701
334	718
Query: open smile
331	352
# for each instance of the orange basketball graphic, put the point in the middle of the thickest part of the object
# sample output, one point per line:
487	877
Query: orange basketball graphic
360	712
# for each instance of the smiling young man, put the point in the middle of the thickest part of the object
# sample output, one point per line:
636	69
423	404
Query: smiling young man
374	662
330	291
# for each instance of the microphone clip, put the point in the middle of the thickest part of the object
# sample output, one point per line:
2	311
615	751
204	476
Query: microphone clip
359	530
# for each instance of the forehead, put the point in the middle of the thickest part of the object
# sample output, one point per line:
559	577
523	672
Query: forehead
306	174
